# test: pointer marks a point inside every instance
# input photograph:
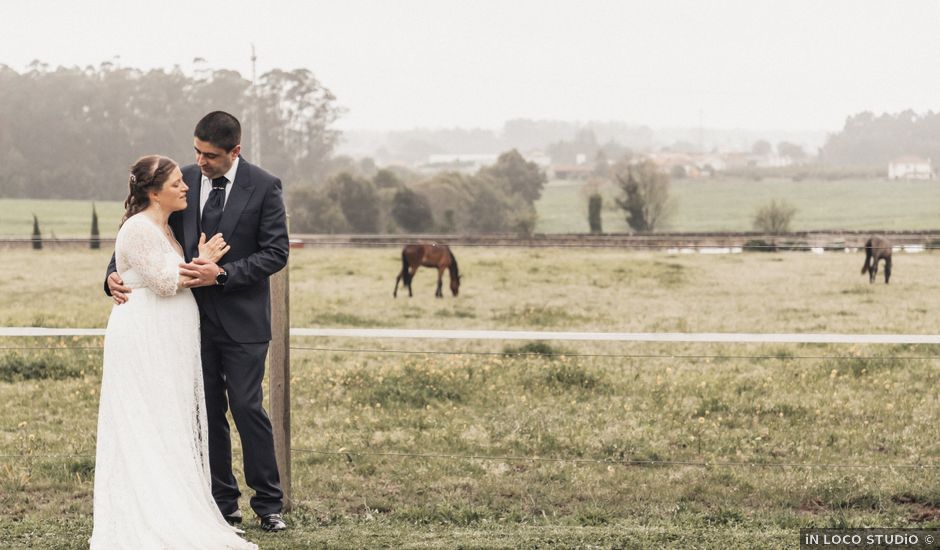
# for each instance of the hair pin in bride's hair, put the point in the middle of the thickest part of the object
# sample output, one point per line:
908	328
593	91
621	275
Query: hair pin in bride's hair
133	179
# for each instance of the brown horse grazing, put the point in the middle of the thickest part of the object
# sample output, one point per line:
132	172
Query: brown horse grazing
877	248
436	255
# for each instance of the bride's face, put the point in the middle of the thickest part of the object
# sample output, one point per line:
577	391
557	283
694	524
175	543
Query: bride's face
172	196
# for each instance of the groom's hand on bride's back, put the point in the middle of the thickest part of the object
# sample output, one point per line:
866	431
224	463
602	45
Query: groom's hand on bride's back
199	272
119	292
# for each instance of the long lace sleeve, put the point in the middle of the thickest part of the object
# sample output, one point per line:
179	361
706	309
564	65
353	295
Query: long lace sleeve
142	248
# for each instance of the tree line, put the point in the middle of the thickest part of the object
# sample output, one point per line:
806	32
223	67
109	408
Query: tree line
72	132
363	199
875	140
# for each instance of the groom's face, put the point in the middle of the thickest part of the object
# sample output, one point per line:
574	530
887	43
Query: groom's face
212	160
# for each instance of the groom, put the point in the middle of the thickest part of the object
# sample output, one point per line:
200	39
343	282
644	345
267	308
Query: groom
243	202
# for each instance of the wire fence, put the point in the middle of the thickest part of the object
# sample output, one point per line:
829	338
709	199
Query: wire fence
349	453
817	241
665	247
622	462
555	354
828	239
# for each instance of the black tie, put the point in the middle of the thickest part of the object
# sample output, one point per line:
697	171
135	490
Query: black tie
212	212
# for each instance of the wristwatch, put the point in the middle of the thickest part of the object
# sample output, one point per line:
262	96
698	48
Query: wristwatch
221	278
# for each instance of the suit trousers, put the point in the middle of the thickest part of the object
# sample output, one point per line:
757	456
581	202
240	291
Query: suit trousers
233	374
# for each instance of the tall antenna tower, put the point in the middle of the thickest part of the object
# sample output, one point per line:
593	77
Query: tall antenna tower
255	112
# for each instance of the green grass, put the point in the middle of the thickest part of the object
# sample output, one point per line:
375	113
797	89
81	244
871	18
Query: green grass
59	218
719	204
681	402
729	204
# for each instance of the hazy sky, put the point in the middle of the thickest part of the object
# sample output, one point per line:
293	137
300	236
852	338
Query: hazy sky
794	64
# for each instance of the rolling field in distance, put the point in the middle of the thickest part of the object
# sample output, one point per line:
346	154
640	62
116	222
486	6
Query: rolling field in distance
718	204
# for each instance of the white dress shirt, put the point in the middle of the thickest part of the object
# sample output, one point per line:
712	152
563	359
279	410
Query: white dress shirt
206	186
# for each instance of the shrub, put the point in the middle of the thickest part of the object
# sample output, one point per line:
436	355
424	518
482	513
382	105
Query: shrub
16	368
37	236
759	245
541	349
411	386
565	375
411	211
645	196
357	199
516	176
95	242
775	217
595	203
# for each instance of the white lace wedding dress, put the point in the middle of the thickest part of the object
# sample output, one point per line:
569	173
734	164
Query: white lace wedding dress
152	484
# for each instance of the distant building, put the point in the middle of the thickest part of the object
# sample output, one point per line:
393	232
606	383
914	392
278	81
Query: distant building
910	168
770	161
691	165
570	172
735	160
738	160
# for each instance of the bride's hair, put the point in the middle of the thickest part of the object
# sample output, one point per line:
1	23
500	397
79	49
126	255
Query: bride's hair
147	174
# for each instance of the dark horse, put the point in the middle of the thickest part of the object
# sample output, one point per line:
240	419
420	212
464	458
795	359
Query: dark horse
414	256
877	248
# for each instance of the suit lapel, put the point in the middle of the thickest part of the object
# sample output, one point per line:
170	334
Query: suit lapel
242	189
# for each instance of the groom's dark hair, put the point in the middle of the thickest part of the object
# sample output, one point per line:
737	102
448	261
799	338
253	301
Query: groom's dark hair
220	129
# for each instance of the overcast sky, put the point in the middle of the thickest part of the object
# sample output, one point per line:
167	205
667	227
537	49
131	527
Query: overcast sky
395	64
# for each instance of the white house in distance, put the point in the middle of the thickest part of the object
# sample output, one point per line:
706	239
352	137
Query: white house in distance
910	168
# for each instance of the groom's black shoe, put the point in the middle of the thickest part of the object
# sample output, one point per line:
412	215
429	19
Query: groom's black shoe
234	518
273	522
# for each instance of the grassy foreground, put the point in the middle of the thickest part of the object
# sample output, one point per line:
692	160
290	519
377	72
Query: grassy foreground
772	435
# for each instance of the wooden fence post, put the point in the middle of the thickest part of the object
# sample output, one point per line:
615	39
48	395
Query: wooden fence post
279	364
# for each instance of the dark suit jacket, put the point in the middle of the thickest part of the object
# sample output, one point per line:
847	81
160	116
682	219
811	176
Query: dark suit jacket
255	226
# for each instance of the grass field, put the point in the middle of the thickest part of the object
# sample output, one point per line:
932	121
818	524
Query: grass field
717	404
710	205
59	218
730	204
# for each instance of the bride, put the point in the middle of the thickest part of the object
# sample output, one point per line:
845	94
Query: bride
152	484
